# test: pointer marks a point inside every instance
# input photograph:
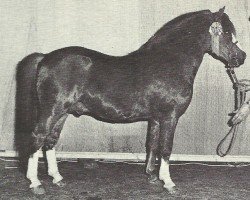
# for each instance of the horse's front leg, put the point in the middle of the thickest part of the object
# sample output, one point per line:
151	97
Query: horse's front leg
154	132
167	130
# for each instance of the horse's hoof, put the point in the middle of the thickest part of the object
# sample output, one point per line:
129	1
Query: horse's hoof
171	189
153	178
61	183
39	190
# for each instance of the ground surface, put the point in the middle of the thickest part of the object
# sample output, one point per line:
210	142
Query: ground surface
126	181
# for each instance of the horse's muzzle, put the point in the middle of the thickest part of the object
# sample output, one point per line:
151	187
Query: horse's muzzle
237	60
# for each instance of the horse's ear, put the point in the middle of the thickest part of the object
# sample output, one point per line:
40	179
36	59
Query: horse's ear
219	14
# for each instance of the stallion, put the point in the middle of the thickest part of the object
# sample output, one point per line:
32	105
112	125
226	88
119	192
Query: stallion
153	84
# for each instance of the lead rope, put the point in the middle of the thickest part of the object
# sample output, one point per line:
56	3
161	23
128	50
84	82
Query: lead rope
240	96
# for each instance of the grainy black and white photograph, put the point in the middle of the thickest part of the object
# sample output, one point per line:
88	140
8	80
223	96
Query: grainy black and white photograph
124	99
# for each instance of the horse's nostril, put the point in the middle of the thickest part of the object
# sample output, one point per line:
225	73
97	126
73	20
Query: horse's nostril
235	61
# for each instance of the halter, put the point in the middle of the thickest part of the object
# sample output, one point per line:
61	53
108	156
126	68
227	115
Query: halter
240	96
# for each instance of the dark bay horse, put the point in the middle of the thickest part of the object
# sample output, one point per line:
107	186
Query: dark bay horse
153	83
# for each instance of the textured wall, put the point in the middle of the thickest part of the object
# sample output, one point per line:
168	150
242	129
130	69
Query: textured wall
118	27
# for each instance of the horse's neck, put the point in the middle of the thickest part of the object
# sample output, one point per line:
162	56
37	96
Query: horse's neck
195	52
190	70
189	53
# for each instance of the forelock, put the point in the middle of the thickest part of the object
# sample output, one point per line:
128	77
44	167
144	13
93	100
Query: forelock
227	25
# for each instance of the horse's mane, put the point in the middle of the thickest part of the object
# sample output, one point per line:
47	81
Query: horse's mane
184	28
175	28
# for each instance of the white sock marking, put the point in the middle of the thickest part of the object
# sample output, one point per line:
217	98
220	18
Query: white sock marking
52	166
164	174
32	170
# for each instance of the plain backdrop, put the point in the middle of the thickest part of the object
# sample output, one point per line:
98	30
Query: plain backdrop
118	27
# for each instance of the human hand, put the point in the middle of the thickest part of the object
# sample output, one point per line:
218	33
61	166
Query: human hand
241	114
244	85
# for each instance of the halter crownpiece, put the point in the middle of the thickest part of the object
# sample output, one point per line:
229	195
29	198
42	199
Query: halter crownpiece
215	30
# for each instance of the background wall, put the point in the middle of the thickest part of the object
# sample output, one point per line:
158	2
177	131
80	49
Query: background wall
118	27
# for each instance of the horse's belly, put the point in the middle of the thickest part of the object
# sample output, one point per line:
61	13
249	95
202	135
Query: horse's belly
112	111
118	114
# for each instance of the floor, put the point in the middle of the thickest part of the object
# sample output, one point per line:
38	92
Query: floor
100	181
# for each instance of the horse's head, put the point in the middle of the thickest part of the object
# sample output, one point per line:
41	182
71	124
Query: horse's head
224	45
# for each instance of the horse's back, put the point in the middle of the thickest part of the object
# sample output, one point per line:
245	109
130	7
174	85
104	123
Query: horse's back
80	67
84	80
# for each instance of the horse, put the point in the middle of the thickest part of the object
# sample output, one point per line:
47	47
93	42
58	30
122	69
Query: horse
153	83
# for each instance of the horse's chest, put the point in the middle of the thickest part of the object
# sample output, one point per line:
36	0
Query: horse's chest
177	96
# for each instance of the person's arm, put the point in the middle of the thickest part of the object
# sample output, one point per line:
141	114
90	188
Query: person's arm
244	85
241	113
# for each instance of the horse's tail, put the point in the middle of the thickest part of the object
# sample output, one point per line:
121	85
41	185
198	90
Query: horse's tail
26	104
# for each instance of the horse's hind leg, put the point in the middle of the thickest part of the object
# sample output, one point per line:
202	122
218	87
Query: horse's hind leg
53	168
46	134
38	135
32	174
167	130
154	131
49	144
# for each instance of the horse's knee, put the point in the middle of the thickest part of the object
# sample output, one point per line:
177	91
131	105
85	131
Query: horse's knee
166	148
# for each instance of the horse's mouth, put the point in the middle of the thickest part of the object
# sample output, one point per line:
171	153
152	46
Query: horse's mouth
234	62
